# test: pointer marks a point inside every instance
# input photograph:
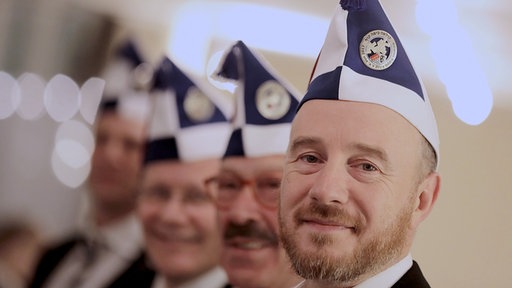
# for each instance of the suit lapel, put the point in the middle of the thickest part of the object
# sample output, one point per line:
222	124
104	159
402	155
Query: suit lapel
413	278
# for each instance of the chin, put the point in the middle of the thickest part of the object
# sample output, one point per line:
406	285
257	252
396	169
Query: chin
250	268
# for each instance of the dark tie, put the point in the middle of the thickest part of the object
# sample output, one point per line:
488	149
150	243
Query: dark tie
89	254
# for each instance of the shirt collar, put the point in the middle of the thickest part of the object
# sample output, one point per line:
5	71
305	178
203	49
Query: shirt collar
216	277
389	276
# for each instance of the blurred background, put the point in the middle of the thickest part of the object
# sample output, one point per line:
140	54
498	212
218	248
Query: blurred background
459	47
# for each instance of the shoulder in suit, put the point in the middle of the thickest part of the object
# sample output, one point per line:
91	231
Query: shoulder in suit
49	261
139	275
413	278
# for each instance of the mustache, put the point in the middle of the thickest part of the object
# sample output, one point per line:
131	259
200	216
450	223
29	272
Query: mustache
331	213
249	230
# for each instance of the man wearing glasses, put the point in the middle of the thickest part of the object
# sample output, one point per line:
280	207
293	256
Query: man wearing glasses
178	216
247	188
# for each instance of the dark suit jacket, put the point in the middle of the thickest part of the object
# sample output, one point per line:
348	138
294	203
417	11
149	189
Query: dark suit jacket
138	274
413	278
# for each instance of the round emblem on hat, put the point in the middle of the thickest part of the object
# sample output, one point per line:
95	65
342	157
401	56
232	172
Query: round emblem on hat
378	50
142	76
197	106
272	100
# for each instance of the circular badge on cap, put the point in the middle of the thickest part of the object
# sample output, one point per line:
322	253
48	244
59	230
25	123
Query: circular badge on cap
142	76
272	100
378	50
197	106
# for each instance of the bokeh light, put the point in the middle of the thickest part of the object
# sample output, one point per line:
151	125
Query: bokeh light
62	98
457	67
32	94
74	145
9	95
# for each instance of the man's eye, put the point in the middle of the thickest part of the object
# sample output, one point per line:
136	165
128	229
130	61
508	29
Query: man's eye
309	159
228	184
270	184
368	167
194	196
156	193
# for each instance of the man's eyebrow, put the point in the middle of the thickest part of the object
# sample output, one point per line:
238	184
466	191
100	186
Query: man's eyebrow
370	150
302	142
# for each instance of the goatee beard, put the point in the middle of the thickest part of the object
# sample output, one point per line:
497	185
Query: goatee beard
368	258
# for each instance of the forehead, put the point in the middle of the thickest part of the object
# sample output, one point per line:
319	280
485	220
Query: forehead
253	166
344	122
114	123
180	173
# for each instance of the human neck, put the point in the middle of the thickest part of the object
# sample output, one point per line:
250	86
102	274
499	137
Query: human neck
105	217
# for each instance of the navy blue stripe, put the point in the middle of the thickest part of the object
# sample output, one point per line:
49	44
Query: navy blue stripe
169	77
129	52
161	149
359	23
235	145
255	75
325	86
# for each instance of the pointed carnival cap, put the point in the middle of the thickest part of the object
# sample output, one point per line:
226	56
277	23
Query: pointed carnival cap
265	104
363	60
127	81
186	125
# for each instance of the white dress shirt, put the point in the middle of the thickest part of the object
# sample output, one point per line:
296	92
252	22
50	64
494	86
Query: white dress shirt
215	278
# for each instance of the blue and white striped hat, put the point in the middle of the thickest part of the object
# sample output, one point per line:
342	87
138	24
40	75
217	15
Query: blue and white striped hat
127	80
363	60
265	104
186	124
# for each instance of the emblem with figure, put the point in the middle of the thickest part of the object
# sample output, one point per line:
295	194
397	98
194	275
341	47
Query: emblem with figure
378	50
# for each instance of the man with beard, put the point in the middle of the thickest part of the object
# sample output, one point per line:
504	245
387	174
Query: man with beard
107	248
360	173
247	188
187	138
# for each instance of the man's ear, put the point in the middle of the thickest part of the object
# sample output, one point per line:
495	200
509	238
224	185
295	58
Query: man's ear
426	197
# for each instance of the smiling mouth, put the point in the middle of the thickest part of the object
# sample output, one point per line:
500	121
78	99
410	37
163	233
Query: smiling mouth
176	237
248	243
326	225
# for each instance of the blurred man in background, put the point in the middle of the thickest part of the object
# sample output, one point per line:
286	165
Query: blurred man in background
108	246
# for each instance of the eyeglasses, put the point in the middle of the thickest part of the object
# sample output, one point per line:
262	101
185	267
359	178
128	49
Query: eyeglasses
159	195
225	189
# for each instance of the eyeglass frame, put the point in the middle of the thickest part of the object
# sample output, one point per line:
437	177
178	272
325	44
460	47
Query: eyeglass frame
242	183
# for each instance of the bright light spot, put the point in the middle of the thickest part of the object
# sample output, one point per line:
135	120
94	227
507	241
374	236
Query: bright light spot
465	82
9	95
91	92
32	94
472	103
72	153
211	69
62	98
74	143
277	30
435	17
193	29
260	27
67	175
